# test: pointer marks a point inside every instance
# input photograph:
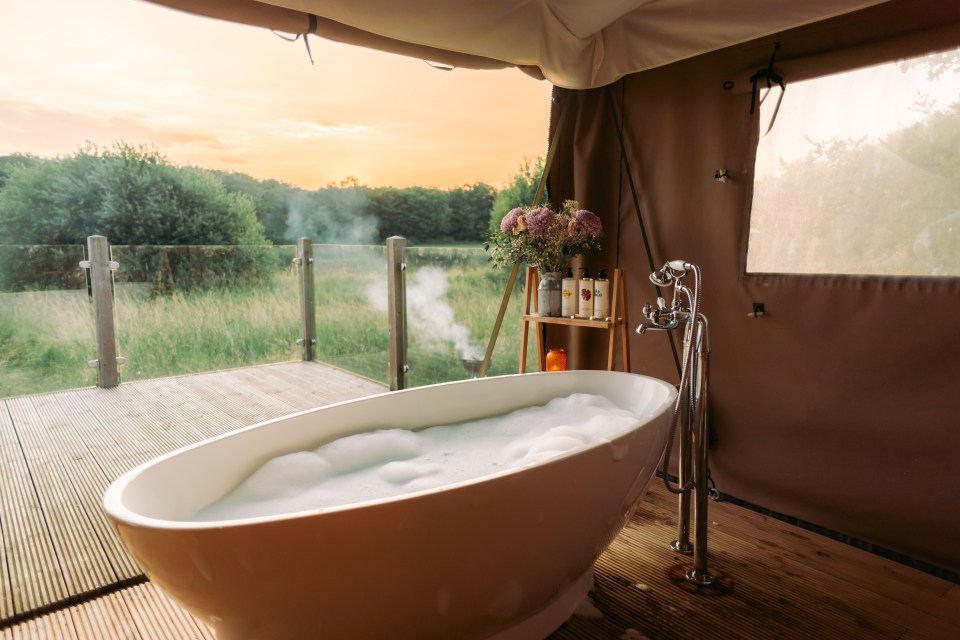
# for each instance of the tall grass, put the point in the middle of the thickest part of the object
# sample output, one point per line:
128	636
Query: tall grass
47	337
46	340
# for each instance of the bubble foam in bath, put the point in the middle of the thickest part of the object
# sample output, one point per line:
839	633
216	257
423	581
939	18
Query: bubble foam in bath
389	462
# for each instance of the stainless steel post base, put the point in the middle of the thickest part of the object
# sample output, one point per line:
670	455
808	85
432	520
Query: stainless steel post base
700	578
686	548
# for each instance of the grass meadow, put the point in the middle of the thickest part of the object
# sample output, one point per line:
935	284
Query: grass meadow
47	337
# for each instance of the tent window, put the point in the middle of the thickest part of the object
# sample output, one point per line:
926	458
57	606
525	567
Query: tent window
860	173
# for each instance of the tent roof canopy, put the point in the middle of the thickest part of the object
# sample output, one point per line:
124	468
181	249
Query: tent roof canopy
572	43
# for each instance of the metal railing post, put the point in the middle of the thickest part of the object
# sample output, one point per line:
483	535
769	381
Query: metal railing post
101	291
308	311
397	311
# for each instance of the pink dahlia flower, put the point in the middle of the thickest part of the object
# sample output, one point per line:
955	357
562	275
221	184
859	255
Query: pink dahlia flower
509	222
589	222
539	221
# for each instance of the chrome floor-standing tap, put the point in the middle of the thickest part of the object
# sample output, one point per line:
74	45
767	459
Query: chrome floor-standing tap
690	412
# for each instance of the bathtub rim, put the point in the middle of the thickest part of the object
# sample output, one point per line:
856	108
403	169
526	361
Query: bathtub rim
113	498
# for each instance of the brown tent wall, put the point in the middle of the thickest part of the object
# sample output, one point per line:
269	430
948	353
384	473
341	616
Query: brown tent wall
841	405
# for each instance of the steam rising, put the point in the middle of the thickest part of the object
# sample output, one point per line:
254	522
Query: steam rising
332	216
340	216
428	313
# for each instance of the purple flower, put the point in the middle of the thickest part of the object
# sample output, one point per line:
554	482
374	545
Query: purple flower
509	221
539	221
589	222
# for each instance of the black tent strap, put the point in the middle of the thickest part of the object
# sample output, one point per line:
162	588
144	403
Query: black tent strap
771	78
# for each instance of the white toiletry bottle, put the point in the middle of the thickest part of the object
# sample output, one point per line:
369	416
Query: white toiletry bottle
568	292
585	299
601	297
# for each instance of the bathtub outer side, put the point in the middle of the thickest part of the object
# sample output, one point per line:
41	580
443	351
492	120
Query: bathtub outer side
462	562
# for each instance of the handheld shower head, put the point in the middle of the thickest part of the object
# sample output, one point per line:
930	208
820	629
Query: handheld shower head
670	271
661	277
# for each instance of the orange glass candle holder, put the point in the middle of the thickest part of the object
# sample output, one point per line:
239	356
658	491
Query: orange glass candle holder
556	360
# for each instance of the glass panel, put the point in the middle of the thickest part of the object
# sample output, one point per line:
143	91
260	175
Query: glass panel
453	296
47	334
350	283
861	173
186	309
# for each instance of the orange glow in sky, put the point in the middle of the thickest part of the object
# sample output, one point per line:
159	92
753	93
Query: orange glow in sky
225	96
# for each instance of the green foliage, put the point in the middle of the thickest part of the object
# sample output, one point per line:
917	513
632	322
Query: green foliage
419	214
130	195
133	196
889	207
470	207
334	215
518	193
41	267
270	200
9	164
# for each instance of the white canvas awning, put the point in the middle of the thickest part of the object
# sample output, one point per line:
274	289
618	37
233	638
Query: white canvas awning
576	44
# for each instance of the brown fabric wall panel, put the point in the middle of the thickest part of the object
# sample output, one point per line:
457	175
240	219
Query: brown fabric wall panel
586	171
841	406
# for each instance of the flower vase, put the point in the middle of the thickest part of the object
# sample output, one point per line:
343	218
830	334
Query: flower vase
549	294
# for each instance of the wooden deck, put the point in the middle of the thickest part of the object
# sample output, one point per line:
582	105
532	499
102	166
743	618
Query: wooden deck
64	576
60	451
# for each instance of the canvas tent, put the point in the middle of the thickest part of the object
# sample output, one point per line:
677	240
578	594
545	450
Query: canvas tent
838	406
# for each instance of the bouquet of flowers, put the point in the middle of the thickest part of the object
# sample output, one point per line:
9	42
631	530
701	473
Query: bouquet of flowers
543	238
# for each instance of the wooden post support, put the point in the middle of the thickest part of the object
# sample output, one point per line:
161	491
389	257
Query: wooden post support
101	293
308	312
397	311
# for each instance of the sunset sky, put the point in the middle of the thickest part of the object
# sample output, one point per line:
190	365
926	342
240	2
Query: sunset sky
226	96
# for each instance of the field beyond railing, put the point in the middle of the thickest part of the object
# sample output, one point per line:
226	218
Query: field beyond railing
47	334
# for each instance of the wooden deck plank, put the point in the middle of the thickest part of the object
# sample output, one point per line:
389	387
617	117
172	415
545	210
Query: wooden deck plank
288	383
186	408
76	444
61	450
813	552
34	576
783	588
57	625
156	616
83	563
240	396
6	538
120	434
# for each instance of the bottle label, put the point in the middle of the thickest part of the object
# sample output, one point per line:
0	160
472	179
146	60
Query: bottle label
586	298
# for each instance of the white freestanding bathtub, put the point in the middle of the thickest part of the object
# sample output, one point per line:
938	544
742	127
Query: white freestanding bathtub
509	555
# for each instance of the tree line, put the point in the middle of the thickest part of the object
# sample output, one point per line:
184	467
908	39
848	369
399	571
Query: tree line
134	195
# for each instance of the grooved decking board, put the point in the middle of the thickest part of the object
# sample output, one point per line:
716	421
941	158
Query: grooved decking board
142	612
777	581
34	577
59	452
62	476
156	616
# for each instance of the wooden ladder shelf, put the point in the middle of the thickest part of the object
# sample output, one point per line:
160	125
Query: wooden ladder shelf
617	319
